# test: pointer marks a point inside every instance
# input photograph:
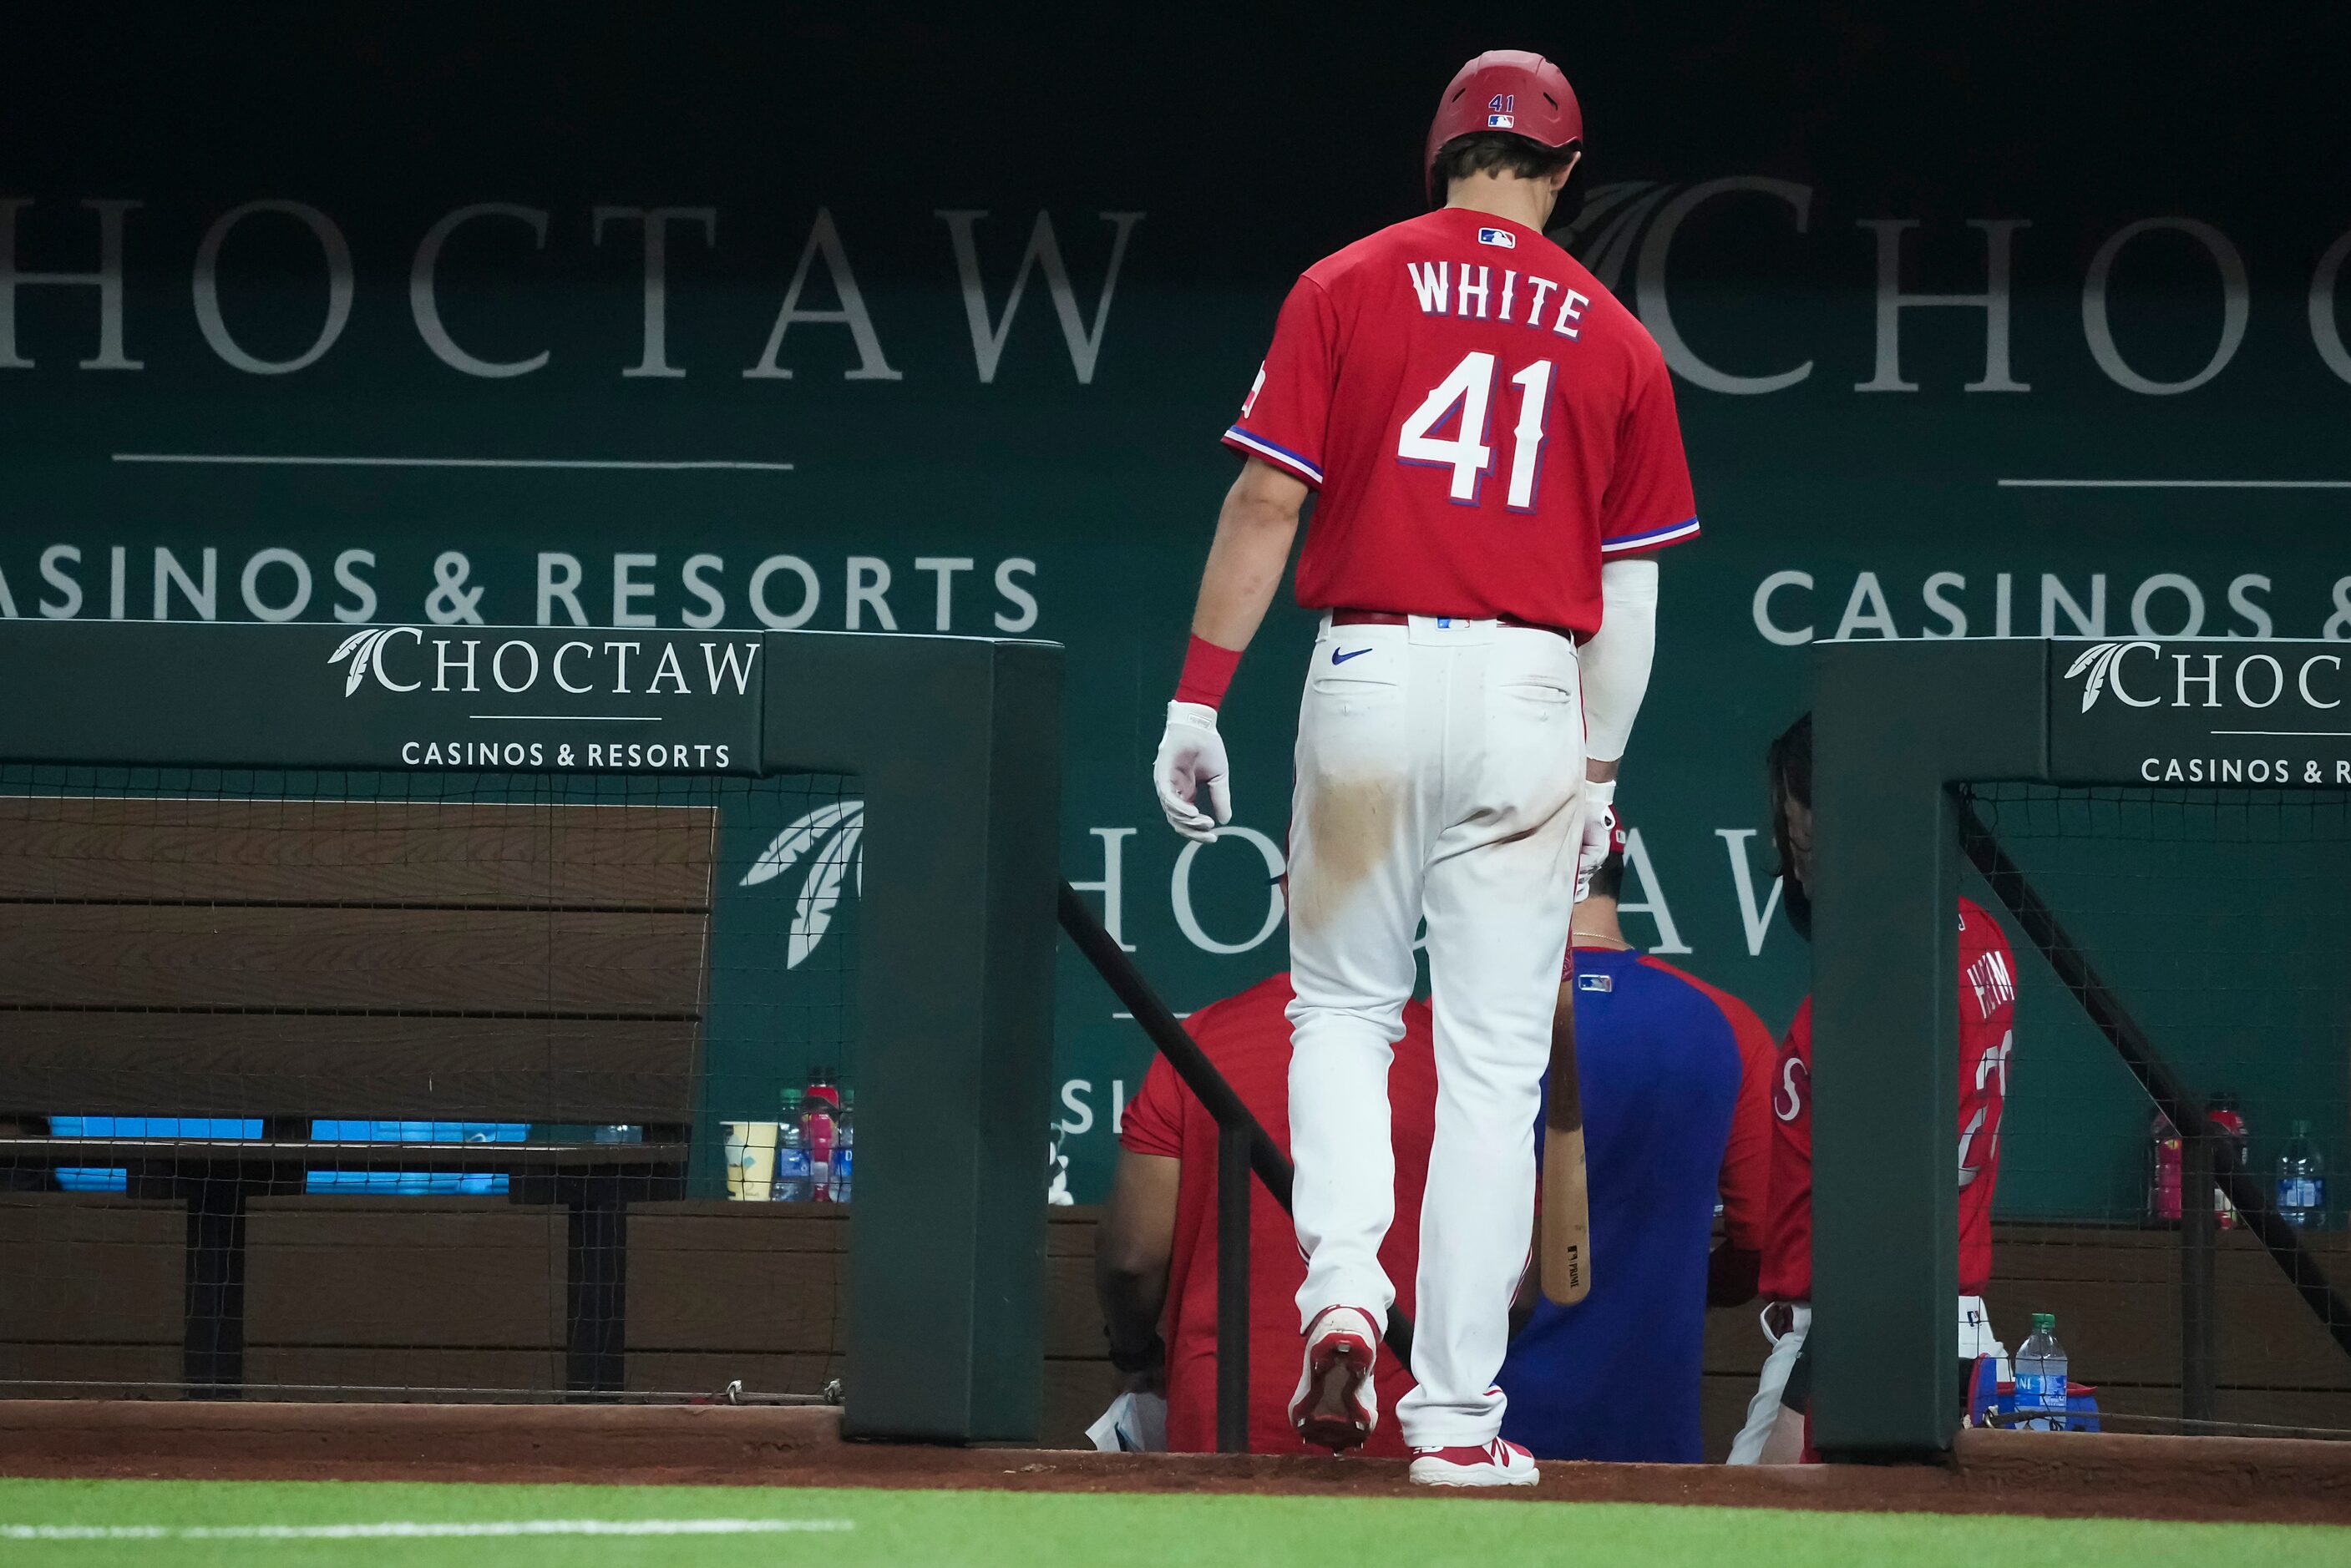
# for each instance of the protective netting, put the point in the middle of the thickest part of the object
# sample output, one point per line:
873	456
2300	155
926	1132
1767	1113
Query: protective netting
2208	933
422	1084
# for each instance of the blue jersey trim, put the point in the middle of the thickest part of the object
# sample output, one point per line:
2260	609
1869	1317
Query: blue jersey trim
1281	454
1672	533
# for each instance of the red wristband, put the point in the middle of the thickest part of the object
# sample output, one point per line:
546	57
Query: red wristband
1208	670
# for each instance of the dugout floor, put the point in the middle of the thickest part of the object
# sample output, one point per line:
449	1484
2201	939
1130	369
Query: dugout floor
2210	1479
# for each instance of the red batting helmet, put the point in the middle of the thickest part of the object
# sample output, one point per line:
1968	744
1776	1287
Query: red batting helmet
1514	90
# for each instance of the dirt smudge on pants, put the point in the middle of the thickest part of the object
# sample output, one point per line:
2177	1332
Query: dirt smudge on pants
1349	830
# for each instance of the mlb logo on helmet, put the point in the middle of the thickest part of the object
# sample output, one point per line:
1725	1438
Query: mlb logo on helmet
1501	121
1502	237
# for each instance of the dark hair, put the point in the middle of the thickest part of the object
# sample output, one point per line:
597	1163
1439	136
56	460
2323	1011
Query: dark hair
1608	882
1788	768
1497	153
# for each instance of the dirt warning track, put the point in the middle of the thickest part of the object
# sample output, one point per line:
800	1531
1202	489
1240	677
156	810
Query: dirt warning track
2217	1479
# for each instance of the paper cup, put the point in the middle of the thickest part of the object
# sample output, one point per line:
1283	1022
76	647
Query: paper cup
750	1160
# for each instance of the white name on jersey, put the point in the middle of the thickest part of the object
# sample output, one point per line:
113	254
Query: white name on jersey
1471	293
1989	978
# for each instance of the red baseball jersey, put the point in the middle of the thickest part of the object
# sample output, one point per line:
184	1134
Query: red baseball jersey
1248	1038
1484	422
1987	1035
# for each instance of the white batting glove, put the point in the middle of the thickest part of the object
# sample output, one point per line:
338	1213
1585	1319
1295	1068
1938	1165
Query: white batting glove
1599	832
1191	772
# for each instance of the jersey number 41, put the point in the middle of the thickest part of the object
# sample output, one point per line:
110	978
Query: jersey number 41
1463	400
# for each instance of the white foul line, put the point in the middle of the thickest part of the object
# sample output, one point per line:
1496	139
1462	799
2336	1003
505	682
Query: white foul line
254	459
413	1530
2307	734
2175	485
570	718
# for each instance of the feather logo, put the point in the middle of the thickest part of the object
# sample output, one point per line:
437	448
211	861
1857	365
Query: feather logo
830	840
2099	661
360	647
1604	234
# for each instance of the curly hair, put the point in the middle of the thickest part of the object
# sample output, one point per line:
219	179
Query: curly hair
1788	768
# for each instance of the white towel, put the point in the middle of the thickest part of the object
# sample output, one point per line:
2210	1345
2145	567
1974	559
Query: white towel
1134	1424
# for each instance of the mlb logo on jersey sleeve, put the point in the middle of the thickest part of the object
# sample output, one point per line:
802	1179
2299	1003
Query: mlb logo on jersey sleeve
1502	237
1597	983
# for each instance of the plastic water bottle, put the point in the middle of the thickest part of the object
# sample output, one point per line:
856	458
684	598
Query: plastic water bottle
820	1113
792	1174
2302	1181
2166	1175
2229	1122
2041	1377
844	1146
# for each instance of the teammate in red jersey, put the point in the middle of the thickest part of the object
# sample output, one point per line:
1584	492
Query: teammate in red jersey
1775	1419
1155	1257
1493	438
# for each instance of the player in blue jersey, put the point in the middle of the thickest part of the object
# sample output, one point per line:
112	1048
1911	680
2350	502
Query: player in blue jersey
1676	1108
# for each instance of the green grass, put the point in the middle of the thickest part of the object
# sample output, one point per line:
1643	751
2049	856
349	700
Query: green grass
916	1529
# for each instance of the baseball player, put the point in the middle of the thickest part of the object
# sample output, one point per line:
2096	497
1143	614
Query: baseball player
1777	1418
1156	1255
1493	441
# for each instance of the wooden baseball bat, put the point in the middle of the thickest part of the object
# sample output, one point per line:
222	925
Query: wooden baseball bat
1566	1203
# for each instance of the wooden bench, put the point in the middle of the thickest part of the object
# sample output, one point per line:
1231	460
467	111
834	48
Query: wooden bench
292	959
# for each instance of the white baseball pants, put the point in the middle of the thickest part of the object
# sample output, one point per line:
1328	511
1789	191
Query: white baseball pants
1763	1410
1440	773
1976	1338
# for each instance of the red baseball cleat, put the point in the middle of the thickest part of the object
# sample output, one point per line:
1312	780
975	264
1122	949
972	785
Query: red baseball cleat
1336	1406
1497	1463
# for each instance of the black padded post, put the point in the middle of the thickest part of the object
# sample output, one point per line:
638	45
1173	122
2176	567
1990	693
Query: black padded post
957	744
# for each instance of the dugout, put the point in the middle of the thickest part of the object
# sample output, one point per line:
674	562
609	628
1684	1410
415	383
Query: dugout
1933	756
170	948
